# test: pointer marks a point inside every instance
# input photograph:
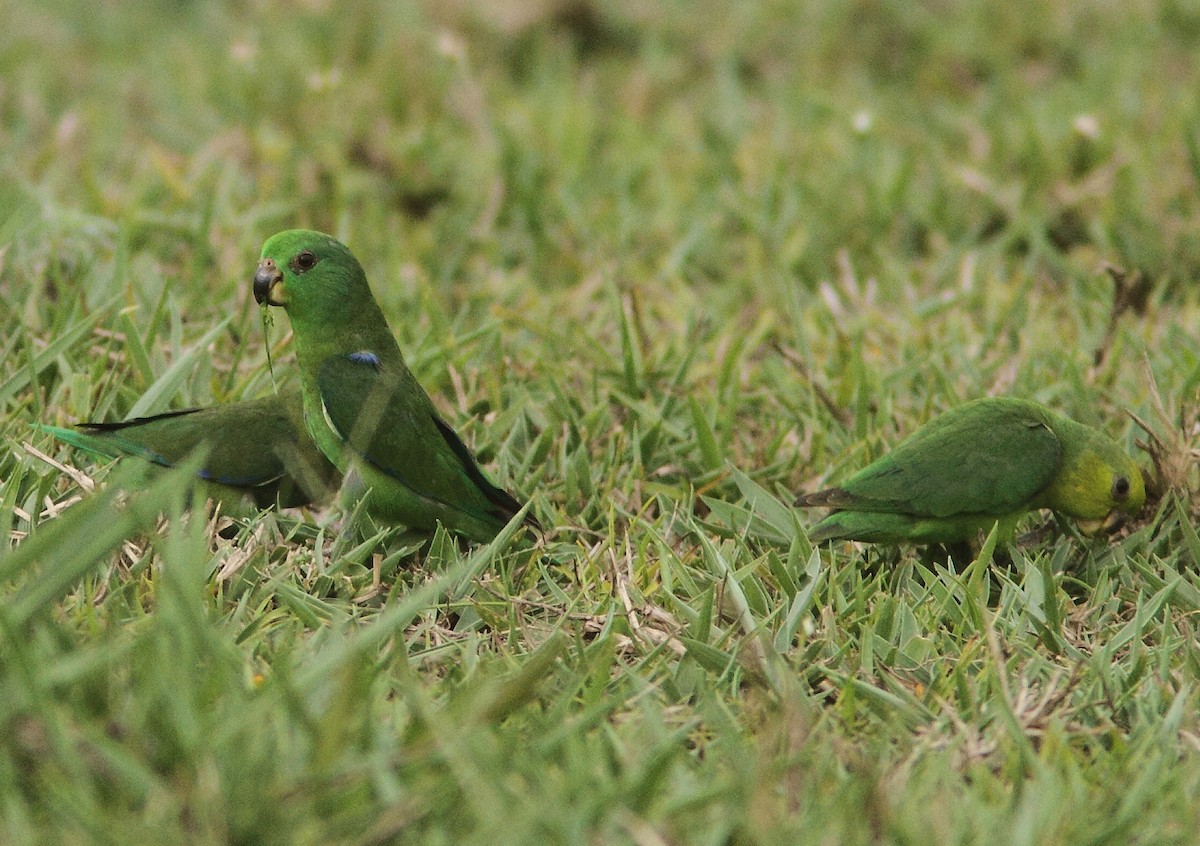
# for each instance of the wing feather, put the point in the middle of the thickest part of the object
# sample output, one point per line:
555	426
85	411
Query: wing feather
388	421
991	458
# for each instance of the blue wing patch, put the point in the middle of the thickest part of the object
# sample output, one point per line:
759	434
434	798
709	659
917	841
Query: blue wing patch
364	357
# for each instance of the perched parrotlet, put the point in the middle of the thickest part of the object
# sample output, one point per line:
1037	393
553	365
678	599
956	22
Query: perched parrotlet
258	447
988	461
362	405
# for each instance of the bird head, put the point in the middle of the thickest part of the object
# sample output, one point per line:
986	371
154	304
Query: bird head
1100	486
310	274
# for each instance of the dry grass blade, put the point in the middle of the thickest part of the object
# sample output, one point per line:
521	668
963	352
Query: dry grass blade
1171	444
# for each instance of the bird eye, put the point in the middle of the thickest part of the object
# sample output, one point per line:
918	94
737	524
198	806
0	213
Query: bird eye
304	261
1120	488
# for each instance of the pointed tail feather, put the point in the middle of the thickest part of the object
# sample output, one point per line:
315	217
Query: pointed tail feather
107	446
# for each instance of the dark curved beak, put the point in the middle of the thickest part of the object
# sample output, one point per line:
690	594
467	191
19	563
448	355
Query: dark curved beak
1114	522
1107	525
268	283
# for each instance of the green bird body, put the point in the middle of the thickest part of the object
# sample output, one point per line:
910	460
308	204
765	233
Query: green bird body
988	461
362	405
257	447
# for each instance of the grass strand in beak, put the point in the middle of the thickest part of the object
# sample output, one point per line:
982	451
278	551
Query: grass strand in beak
268	320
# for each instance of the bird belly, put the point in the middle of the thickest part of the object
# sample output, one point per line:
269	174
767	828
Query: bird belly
877	527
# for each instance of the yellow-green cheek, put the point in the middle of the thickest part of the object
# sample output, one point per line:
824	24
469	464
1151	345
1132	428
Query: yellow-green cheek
1082	492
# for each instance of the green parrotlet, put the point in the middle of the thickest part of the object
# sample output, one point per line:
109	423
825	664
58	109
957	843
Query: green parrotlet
362	405
259	447
988	461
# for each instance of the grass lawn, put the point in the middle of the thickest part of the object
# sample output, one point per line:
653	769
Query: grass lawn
663	266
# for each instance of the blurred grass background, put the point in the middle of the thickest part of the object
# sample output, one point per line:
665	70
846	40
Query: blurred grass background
662	266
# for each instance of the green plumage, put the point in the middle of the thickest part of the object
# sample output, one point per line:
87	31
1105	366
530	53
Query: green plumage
258	447
988	461
362	405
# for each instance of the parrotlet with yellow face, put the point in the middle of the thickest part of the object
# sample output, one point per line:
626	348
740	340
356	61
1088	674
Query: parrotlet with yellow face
988	461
